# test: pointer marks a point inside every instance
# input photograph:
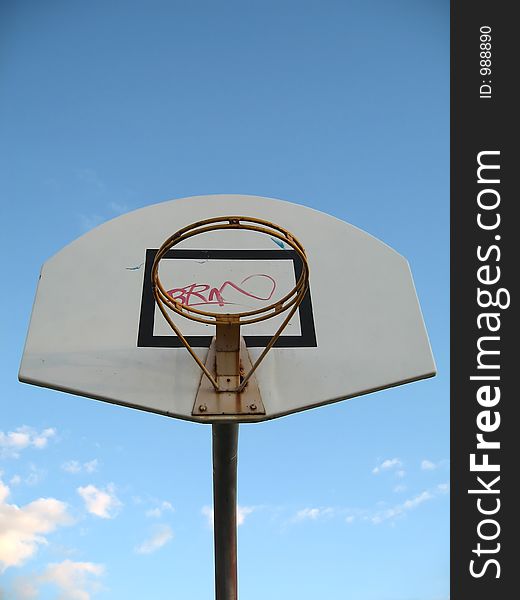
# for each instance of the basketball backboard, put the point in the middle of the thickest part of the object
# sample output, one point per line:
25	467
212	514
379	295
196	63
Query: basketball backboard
96	331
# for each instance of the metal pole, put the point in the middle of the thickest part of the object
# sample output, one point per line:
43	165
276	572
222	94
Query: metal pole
225	450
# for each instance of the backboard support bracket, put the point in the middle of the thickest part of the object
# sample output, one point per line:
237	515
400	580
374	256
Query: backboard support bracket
228	361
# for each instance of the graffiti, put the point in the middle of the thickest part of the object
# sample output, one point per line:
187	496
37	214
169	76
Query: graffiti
202	294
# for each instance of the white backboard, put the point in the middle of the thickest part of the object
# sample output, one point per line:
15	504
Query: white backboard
95	330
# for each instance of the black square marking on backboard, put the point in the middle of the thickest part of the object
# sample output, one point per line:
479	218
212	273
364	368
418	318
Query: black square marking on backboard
147	339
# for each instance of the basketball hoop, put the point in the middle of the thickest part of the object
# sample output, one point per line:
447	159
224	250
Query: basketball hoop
227	338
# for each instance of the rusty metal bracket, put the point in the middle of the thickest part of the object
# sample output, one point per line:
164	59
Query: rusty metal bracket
228	368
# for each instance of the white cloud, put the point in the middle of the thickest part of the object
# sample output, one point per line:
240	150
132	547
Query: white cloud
74	466
74	580
389	463
307	513
416	500
102	503
24	588
40	440
4	492
161	536
399	488
400	509
22	529
158	511
401	473
242	513
382	512
207	511
428	465
118	208
312	514
91	465
35	475
71	466
13	442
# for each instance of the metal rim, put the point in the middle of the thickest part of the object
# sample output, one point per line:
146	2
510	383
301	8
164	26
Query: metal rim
292	299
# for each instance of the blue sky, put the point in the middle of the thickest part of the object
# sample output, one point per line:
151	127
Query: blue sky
110	106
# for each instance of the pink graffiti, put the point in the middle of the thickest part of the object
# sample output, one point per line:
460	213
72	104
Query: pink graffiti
197	294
